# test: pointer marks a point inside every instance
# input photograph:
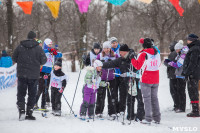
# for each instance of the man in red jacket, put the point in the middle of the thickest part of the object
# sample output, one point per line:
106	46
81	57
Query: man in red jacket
148	61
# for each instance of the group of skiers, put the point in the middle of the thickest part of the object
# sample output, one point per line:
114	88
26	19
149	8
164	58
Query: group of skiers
183	66
115	70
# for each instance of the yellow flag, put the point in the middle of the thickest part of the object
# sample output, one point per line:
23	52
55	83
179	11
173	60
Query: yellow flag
53	7
146	1
199	1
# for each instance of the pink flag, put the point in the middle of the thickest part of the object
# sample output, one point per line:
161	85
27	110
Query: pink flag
83	5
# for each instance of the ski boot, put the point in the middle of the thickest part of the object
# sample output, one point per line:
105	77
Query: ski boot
193	114
83	118
29	115
57	113
21	115
112	117
145	122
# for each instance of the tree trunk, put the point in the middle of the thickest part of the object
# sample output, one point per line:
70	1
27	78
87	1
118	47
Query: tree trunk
9	18
108	21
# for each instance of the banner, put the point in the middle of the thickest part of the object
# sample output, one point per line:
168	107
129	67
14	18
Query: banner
54	7
146	1
116	2
175	3
199	1
26	6
83	5
8	77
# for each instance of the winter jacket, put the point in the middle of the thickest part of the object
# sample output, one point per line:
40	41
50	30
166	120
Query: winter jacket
92	78
91	57
178	64
122	63
191	66
171	70
59	55
116	51
58	79
6	61
29	56
107	74
149	62
50	54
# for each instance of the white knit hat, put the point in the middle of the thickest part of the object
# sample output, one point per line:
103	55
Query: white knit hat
97	63
107	44
112	39
48	41
179	45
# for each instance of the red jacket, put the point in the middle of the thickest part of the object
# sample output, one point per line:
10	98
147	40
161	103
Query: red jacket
148	77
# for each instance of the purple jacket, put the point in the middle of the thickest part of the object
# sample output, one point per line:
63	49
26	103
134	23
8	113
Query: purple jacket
107	74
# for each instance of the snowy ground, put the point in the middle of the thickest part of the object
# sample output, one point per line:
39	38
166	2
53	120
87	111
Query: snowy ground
68	123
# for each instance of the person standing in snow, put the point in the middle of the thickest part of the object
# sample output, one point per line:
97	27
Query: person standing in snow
5	60
181	83
45	74
171	75
58	83
92	55
92	81
149	62
118	80
124	64
28	56
191	71
107	83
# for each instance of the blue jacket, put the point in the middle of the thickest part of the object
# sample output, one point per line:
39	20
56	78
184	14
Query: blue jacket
116	51
6	61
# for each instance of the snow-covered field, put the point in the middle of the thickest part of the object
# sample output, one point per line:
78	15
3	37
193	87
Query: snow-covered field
171	122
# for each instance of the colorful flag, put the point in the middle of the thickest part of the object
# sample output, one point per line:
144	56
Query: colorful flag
175	3
54	7
116	2
199	1
83	5
146	1
26	6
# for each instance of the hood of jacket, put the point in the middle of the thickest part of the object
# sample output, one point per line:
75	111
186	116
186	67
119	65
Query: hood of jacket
29	43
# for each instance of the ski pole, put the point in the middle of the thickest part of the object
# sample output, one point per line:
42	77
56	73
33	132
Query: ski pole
131	80
76	87
69	106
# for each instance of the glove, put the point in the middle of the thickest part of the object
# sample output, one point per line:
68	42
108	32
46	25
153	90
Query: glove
170	63
128	74
167	60
132	54
52	50
45	77
60	90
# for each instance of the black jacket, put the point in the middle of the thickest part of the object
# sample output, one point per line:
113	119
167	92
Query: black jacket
29	56
191	65
171	70
122	63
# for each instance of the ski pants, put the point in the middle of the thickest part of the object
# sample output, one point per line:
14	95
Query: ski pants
151	104
25	84
89	98
56	99
121	88
42	90
193	93
101	94
173	92
140	105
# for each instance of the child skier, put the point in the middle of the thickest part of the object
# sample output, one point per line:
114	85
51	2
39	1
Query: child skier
181	83
58	82
92	80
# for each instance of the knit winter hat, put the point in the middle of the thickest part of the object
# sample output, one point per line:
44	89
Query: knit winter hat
192	37
124	47
97	63
96	45
31	35
112	40
107	44
179	45
147	43
48	41
58	62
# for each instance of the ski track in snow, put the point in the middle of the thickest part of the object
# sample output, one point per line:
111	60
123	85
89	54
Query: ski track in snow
68	123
